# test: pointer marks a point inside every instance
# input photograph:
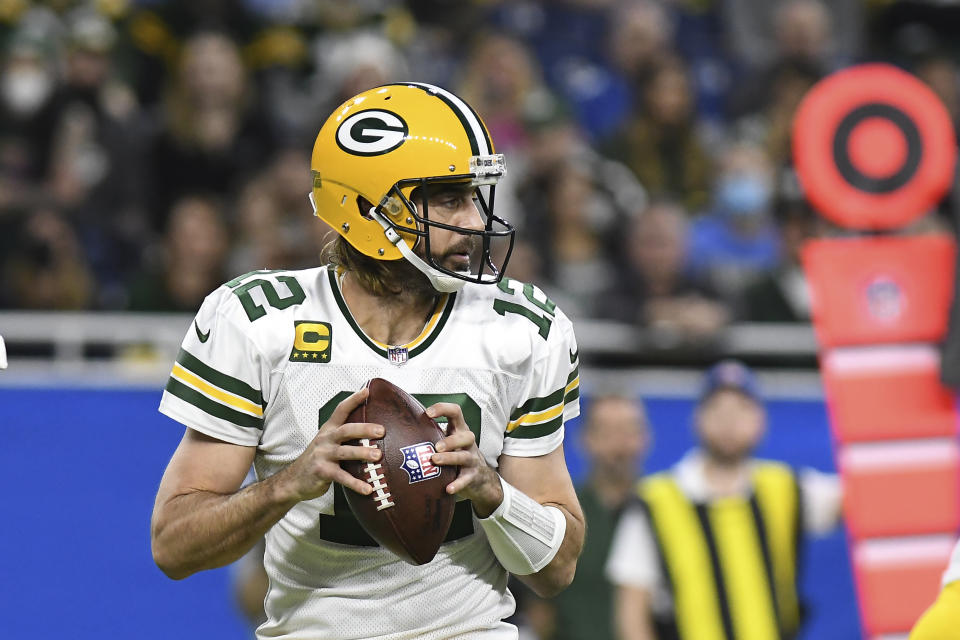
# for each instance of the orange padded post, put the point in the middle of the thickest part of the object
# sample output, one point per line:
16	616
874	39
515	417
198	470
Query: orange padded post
880	305
880	290
887	392
901	489
874	150
898	579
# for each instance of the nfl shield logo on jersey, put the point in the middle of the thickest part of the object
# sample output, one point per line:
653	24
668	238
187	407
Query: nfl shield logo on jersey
397	355
417	463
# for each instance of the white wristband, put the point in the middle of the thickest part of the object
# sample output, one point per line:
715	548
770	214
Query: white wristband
524	534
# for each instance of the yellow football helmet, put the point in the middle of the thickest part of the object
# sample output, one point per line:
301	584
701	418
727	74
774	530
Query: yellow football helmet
379	146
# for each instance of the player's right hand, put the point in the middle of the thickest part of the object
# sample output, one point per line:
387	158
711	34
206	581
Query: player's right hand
310	475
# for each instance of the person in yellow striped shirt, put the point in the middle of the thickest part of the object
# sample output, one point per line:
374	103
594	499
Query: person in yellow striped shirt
709	549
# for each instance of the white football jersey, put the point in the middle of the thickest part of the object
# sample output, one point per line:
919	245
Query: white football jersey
270	355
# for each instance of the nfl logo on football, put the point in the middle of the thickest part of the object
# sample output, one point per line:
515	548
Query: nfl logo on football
397	355
417	462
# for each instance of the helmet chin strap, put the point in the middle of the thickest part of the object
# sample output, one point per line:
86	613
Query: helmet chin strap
442	282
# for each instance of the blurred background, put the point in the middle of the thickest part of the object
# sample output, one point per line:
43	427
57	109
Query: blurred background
151	150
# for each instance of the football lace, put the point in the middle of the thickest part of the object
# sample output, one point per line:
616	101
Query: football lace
381	492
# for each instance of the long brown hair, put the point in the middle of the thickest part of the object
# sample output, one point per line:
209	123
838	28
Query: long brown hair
385	278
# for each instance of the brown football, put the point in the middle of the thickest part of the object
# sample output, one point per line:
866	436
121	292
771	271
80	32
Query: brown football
409	511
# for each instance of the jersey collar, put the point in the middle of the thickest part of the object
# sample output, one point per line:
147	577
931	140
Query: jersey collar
418	345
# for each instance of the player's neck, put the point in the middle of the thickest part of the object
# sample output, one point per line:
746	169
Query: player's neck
391	319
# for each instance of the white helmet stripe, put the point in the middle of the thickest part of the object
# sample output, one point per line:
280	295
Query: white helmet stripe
465	113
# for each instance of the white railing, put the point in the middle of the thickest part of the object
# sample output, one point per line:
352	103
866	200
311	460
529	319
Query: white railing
69	333
135	348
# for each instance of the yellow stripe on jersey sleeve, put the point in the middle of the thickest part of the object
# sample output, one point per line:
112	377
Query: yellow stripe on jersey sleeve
535	417
236	402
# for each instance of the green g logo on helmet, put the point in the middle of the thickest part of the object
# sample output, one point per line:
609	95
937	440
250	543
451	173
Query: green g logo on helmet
372	132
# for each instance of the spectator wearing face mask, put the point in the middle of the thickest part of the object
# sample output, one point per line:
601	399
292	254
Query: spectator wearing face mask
91	142
94	164
783	295
737	242
27	83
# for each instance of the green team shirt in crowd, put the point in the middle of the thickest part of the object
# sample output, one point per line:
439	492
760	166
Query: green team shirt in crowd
585	609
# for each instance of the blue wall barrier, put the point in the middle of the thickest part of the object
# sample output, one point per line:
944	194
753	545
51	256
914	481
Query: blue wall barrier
82	468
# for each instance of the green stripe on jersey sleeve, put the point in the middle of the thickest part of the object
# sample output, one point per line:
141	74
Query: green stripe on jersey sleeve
212	407
222	380
538	404
536	430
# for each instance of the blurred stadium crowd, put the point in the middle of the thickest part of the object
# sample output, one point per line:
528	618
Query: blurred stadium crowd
151	150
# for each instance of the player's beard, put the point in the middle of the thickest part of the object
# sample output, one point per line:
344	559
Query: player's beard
398	281
450	259
418	284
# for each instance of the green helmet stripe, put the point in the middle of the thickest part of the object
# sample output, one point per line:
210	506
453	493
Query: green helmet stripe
477	134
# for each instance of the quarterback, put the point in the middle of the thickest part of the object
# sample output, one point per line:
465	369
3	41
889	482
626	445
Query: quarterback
414	293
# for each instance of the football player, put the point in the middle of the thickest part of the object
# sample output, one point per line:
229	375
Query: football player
414	293
942	619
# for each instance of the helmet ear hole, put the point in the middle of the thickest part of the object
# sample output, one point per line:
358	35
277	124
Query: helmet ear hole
364	206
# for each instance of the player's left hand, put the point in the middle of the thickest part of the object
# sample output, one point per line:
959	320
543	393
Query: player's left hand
476	481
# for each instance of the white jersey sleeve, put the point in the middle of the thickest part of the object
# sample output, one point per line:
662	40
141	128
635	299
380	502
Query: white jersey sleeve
822	495
218	382
550	393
